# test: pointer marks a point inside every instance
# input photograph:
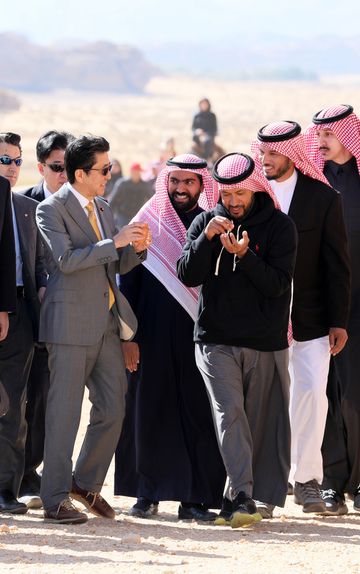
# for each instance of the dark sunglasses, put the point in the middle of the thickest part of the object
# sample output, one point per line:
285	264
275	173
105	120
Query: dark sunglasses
104	170
6	160
55	167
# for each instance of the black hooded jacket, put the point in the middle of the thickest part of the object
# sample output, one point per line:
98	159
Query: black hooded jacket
247	303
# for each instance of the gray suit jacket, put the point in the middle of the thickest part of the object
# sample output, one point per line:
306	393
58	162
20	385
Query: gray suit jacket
75	308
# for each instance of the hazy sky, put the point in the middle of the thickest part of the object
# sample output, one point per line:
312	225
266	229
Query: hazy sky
151	22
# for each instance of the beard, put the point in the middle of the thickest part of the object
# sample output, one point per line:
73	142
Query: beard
280	172
184	205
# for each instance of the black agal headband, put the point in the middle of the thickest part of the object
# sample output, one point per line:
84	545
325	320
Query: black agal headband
201	164
349	110
294	130
236	178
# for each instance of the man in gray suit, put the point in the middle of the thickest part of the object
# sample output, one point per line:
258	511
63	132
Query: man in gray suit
83	319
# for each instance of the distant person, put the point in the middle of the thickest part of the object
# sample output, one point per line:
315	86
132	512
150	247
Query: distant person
321	295
50	151
204	128
83	319
168	448
167	150
116	175
333	142
16	351
242	254
129	195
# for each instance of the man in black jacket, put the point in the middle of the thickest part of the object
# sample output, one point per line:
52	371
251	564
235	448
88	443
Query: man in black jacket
321	295
243	254
16	351
50	151
7	259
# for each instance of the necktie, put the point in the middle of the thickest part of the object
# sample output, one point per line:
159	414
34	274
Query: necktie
94	224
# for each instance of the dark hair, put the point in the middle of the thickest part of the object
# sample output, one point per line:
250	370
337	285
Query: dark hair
207	101
80	154
51	141
11	138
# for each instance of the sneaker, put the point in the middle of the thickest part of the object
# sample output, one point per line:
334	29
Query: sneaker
334	502
64	513
244	511
266	510
308	495
357	499
31	500
192	511
224	516
144	508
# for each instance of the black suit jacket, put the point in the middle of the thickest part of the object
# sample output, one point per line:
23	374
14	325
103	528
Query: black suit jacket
32	253
36	192
322	272
7	251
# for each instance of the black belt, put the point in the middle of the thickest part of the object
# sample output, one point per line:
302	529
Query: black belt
20	292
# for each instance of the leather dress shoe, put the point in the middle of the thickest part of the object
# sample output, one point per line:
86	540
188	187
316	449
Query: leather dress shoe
64	513
93	501
10	505
144	508
195	512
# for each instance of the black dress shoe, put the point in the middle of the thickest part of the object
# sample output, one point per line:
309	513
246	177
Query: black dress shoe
144	508
195	512
9	504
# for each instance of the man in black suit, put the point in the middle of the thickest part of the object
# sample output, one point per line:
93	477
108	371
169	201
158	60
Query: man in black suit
7	259
333	143
17	350
50	151
7	273
321	295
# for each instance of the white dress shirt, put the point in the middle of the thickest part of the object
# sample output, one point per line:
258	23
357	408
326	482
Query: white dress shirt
84	202
284	191
19	262
47	192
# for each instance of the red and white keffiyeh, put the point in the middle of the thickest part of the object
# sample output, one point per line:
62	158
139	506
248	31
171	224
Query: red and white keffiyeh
346	129
284	137
168	231
239	171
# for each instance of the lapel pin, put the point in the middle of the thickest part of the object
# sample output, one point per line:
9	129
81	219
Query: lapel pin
26	214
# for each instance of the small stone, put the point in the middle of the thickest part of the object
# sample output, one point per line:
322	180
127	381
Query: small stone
131	539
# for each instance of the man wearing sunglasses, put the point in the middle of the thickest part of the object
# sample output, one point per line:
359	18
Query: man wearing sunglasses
50	151
16	351
83	320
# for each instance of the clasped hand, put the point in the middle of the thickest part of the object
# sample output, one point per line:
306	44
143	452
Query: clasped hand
137	233
222	226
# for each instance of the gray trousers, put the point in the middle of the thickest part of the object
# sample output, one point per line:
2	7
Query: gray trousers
249	398
101	368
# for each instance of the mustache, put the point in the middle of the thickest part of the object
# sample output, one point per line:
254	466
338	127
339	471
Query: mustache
323	147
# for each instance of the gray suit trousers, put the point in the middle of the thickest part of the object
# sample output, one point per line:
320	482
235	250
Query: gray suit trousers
101	368
249	398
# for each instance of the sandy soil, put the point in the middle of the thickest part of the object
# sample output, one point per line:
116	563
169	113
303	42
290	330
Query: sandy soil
291	542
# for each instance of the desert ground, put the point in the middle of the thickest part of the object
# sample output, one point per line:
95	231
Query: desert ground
292	542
